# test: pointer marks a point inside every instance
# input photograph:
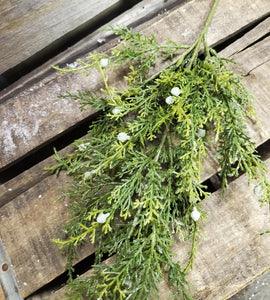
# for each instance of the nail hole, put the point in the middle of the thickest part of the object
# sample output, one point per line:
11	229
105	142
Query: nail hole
5	267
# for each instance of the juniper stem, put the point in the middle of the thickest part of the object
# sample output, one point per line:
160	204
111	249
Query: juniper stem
164	136
195	47
193	249
134	224
203	33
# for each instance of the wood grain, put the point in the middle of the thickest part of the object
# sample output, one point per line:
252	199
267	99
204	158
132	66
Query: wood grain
2	296
138	14
28	223
32	218
20	132
28	27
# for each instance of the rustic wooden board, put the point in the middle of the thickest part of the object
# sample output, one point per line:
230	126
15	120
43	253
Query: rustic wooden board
21	133
28	224
2	296
138	14
37	207
27	179
46	188
255	34
28	27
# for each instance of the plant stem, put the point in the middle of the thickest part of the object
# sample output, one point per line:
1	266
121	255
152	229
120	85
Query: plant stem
161	144
193	249
203	33
134	224
194	47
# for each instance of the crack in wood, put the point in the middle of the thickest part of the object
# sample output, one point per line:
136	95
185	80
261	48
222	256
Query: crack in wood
240	34
254	68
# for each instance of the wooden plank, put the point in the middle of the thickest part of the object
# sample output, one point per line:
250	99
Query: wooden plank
138	14
38	201
27	179
257	33
34	25
21	133
2	296
28	224
254	65
50	192
232	252
259	288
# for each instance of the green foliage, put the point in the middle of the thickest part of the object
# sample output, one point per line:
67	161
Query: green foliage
137	177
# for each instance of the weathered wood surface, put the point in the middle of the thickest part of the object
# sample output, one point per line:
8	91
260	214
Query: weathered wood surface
30	219
2	296
138	14
28	224
28	27
21	133
34	212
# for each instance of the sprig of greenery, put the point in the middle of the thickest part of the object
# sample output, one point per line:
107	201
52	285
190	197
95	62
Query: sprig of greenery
137	177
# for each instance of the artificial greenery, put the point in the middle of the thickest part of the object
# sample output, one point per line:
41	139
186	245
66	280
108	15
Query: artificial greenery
137	177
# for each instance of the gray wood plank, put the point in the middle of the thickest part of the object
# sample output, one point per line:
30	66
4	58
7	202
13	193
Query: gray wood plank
29	26
35	214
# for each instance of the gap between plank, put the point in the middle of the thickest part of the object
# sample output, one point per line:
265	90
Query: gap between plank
220	46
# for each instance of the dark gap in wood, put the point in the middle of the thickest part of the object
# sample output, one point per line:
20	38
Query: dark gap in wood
257	41
221	45
263	151
47	149
60	281
212	184
63	43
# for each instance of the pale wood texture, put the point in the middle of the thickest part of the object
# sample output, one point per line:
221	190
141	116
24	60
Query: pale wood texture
32	218
255	34
2	296
28	27
28	224
20	133
138	14
27	179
